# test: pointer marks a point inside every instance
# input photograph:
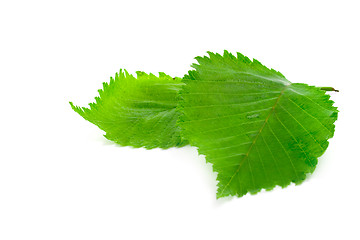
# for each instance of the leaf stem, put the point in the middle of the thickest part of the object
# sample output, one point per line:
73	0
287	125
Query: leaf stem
329	89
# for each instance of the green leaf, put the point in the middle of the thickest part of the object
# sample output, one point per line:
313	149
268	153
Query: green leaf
138	112
257	129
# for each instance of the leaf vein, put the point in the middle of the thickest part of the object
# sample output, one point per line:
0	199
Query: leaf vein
259	133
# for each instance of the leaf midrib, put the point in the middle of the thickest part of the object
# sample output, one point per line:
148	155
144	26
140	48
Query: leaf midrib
255	139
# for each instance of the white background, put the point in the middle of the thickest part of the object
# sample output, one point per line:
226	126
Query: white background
61	179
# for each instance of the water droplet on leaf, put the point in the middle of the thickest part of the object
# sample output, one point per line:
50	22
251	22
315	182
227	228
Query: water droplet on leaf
256	115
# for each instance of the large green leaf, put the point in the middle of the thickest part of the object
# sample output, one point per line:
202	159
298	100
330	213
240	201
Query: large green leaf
138	112
257	129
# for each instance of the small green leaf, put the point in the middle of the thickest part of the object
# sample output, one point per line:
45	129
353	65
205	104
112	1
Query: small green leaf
138	112
257	129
